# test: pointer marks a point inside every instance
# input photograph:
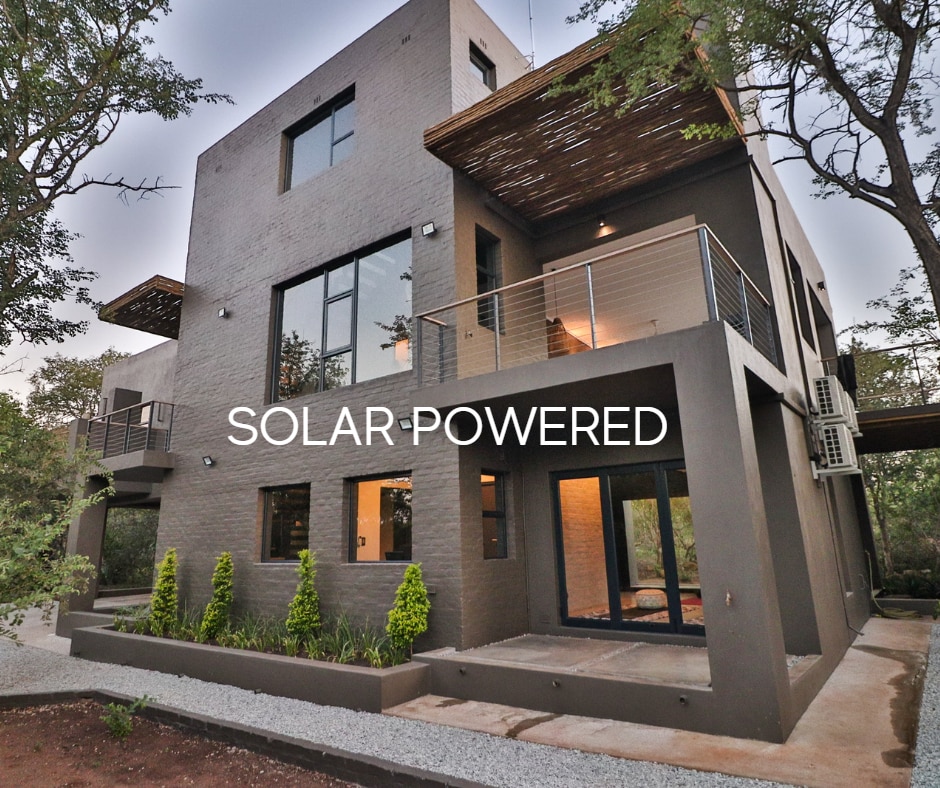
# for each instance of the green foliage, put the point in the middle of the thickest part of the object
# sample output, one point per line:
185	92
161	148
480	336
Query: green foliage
303	618
68	73
164	612
847	87
216	617
409	616
118	717
66	387
130	539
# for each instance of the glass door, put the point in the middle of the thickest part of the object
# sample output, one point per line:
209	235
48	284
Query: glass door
626	549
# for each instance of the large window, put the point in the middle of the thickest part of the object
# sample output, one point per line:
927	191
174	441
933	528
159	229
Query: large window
381	519
286	522
344	325
493	494
321	140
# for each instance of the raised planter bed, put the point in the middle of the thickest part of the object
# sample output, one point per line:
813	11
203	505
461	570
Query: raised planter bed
327	683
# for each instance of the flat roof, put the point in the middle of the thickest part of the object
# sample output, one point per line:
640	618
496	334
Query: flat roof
154	306
547	155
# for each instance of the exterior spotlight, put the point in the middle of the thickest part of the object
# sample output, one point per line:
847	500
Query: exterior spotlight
427	230
405	424
208	461
820	285
601	221
223	312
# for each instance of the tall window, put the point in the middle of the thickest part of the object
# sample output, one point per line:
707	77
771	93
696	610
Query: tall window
286	522
381	519
482	67
345	325
493	493
321	140
488	276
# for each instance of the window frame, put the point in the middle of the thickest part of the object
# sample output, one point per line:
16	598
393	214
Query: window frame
353	524
482	64
499	514
492	272
314	119
266	522
352	292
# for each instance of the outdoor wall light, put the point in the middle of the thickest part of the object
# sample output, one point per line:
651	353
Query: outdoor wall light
223	312
427	230
208	461
601	221
405	424
820	285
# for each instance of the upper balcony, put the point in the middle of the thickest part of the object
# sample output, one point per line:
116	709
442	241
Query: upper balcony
134	443
666	284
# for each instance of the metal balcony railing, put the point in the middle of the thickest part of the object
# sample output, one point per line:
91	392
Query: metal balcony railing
148	425
895	377
669	283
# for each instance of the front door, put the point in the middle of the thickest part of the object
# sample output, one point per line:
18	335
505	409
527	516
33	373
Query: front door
626	549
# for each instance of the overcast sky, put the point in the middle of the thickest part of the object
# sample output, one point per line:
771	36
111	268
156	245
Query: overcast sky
255	51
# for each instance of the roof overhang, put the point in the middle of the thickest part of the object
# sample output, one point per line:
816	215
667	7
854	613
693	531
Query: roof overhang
154	306
544	156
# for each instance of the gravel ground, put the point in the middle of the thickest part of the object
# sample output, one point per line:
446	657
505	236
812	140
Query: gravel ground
463	754
927	756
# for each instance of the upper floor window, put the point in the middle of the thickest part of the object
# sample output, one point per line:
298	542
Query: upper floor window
482	67
321	140
488	277
346	324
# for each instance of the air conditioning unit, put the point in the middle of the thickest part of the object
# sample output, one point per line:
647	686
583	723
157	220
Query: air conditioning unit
839	450
852	420
829	399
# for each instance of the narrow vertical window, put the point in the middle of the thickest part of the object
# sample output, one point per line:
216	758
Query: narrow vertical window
482	67
488	277
493	495
286	522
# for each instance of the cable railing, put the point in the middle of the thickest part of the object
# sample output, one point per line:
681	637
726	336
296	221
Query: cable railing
666	284
895	377
148	425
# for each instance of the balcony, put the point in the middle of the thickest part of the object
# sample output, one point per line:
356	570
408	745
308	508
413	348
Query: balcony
144	427
663	285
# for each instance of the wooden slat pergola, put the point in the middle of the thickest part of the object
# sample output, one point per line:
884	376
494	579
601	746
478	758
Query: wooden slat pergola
544	156
154	306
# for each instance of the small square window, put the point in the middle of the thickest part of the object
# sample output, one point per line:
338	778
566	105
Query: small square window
381	519
482	67
286	522
493	495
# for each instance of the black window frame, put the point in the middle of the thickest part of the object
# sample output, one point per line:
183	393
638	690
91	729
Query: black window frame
267	531
498	514
334	352
482	67
489	274
353	526
322	114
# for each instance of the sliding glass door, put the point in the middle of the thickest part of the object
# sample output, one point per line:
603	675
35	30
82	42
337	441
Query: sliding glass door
626	549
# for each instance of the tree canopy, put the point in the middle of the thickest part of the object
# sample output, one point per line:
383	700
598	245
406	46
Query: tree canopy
69	71
848	85
66	387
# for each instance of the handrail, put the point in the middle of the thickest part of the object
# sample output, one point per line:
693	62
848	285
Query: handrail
113	413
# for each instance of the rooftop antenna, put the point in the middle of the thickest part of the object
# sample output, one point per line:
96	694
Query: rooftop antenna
531	38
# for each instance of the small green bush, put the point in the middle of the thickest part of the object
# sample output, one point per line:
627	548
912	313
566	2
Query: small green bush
303	618
163	605
118	717
216	617
409	617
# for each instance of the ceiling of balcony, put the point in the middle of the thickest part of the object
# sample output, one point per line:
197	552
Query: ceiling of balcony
545	156
154	306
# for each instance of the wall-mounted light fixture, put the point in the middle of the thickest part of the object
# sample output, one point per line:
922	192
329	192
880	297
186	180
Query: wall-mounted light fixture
821	285
601	221
405	424
208	461
429	229
223	312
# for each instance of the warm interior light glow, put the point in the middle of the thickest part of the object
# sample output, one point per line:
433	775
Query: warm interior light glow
401	351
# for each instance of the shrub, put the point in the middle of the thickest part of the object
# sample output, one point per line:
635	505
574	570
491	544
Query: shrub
217	611
118	718
409	617
163	605
303	618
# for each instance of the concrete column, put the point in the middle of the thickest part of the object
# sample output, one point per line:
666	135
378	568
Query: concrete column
86	537
746	650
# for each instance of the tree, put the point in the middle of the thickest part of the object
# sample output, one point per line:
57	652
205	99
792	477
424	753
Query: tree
66	387
216	618
409	616
303	617
848	84
68	73
164	605
38	500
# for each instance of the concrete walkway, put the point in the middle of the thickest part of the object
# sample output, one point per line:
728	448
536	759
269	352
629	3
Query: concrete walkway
859	731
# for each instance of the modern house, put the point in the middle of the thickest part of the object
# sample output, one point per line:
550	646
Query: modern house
419	224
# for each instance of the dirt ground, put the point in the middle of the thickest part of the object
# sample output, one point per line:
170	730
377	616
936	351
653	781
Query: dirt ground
69	745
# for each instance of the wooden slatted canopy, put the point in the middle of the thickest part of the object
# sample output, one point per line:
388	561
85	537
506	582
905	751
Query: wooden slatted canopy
544	156
153	306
